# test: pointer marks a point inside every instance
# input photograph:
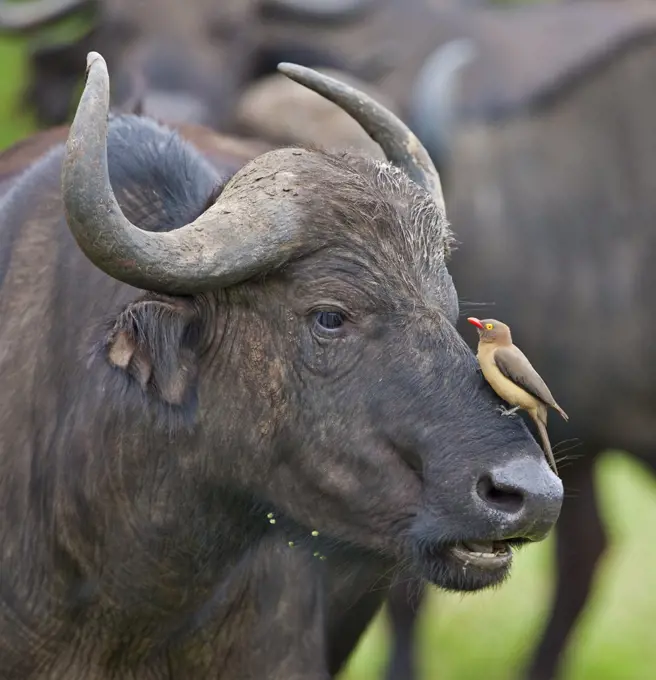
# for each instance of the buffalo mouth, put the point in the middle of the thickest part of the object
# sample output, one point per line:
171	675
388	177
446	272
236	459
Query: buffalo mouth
467	565
490	555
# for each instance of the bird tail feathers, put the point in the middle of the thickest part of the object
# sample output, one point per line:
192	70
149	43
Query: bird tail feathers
562	413
546	445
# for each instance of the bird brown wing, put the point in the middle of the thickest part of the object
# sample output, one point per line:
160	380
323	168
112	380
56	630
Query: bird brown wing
512	362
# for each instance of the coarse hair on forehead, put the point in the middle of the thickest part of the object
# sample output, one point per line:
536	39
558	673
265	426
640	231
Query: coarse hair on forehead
423	225
385	207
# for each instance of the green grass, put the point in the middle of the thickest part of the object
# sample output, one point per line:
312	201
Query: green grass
490	635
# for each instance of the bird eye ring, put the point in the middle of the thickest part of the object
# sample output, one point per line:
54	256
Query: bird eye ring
489	326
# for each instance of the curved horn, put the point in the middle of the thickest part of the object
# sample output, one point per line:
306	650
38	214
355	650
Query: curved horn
319	9
36	13
397	141
257	223
432	102
234	239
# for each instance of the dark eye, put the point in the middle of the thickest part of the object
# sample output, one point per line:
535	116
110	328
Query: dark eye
328	320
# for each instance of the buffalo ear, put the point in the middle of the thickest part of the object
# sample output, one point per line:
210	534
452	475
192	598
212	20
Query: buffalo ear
155	341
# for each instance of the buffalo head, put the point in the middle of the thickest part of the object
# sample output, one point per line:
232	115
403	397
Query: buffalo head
177	61
306	321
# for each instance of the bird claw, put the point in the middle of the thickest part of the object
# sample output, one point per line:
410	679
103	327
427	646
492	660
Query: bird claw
508	411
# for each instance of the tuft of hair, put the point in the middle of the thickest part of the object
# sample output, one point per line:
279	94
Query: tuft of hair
412	237
427	232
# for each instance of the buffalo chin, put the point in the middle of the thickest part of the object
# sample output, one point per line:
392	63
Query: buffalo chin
468	566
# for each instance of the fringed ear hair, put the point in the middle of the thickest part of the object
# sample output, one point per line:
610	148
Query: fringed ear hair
154	341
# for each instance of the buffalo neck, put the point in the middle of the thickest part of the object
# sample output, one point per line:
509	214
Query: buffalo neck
146	501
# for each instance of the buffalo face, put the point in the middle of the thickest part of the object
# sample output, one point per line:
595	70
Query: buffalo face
384	434
307	319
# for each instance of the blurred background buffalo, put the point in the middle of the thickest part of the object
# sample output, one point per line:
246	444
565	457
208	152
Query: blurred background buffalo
541	117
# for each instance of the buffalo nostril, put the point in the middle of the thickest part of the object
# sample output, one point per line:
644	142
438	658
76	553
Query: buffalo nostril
500	496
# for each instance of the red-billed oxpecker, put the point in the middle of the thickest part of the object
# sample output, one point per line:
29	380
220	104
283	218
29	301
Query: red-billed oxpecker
513	378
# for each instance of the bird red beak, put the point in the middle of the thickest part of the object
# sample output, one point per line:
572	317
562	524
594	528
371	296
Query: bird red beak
475	322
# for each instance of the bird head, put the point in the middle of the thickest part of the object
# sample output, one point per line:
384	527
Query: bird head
491	330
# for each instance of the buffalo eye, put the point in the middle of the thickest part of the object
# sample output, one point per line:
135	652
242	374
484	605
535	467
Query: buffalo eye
328	321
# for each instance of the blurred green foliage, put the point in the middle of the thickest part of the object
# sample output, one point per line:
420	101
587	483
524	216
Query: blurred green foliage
490	635
14	123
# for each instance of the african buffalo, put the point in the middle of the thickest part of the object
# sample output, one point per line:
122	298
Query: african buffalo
219	427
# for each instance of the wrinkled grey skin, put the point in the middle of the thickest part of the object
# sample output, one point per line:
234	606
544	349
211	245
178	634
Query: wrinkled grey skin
148	439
